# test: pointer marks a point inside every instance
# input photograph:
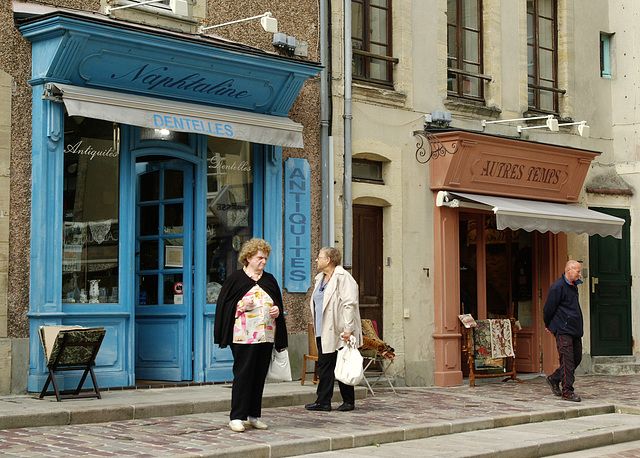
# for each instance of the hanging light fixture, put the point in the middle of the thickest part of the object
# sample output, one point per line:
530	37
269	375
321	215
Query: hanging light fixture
267	21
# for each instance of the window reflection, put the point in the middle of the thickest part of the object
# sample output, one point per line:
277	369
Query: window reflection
507	254
229	208
90	212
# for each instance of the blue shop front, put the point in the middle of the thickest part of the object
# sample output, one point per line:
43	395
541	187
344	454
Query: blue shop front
155	156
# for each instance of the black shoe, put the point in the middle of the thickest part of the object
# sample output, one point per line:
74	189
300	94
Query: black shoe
318	407
571	397
555	386
346	407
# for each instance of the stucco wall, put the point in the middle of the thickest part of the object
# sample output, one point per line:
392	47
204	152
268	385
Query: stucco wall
625	119
15	60
5	158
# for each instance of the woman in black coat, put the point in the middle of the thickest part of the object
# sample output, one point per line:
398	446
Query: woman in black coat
250	318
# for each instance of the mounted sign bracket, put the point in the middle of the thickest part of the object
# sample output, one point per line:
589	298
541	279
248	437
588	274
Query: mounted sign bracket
436	148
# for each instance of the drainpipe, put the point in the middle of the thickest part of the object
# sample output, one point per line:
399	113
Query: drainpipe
348	223
326	156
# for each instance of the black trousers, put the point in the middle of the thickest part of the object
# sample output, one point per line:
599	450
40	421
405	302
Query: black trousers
326	378
250	367
570	354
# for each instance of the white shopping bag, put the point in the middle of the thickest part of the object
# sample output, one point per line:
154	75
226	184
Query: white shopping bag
349	368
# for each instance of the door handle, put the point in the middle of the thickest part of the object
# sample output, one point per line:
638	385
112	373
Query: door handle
594	282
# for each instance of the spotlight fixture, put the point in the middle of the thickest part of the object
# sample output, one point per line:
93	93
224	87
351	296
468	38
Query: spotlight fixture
267	21
583	129
551	124
484	122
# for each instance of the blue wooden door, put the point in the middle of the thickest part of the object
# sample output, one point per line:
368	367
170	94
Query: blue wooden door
164	278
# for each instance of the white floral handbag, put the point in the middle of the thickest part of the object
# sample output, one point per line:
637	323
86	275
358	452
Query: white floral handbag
349	368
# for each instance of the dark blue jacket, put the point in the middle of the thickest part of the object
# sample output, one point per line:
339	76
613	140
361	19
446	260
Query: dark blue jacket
562	313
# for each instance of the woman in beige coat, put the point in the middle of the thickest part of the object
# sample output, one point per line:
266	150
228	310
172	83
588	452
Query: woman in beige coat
336	317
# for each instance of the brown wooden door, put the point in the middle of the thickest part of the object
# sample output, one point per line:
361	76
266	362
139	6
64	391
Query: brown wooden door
367	261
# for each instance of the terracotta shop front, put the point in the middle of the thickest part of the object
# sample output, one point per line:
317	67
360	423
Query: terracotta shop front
501	214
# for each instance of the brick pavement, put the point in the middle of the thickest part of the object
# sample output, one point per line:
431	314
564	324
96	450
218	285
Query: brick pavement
293	430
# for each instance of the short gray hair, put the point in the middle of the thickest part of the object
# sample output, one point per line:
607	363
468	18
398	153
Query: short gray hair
333	254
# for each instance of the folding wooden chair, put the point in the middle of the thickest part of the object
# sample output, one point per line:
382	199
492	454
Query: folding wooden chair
372	356
311	356
74	350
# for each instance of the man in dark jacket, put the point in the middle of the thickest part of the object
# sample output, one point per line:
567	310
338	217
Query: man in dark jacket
563	318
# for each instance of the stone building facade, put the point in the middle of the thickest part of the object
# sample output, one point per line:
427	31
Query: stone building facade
418	91
422	72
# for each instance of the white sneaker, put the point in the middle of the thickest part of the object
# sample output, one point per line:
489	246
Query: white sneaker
257	424
236	425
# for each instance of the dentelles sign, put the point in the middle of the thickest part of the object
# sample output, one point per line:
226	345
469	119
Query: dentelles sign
199	126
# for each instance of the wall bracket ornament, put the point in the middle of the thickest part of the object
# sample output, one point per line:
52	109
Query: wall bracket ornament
435	147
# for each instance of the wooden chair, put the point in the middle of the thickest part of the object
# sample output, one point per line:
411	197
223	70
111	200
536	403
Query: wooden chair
311	356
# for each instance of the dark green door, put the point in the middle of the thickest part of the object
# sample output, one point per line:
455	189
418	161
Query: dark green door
610	286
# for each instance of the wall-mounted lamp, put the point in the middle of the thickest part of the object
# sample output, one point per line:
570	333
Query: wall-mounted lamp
267	21
484	122
583	129
179	7
551	124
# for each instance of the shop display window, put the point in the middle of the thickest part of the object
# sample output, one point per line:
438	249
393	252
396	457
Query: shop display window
229	208
504	259
90	212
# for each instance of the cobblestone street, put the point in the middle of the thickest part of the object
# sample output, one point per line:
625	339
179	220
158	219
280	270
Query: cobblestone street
296	431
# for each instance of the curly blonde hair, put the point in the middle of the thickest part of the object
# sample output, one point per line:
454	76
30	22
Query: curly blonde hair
251	247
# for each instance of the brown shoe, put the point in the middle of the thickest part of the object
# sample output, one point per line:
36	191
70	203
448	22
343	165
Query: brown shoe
571	397
555	386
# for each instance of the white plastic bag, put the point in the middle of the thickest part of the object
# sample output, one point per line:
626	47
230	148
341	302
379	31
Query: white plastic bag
349	368
279	369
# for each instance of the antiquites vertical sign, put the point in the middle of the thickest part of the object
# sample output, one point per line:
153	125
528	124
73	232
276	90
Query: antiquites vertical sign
297	230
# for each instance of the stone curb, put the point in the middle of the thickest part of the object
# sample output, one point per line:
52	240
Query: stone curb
317	443
66	413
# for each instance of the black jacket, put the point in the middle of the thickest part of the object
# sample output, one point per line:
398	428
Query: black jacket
562	313
234	289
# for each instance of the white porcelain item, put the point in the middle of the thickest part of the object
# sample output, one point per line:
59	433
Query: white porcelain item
94	291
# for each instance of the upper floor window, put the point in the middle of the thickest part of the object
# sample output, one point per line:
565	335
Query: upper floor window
605	55
542	55
464	49
371	41
181	15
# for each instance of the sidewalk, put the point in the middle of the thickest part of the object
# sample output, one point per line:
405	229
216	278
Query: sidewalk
192	421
